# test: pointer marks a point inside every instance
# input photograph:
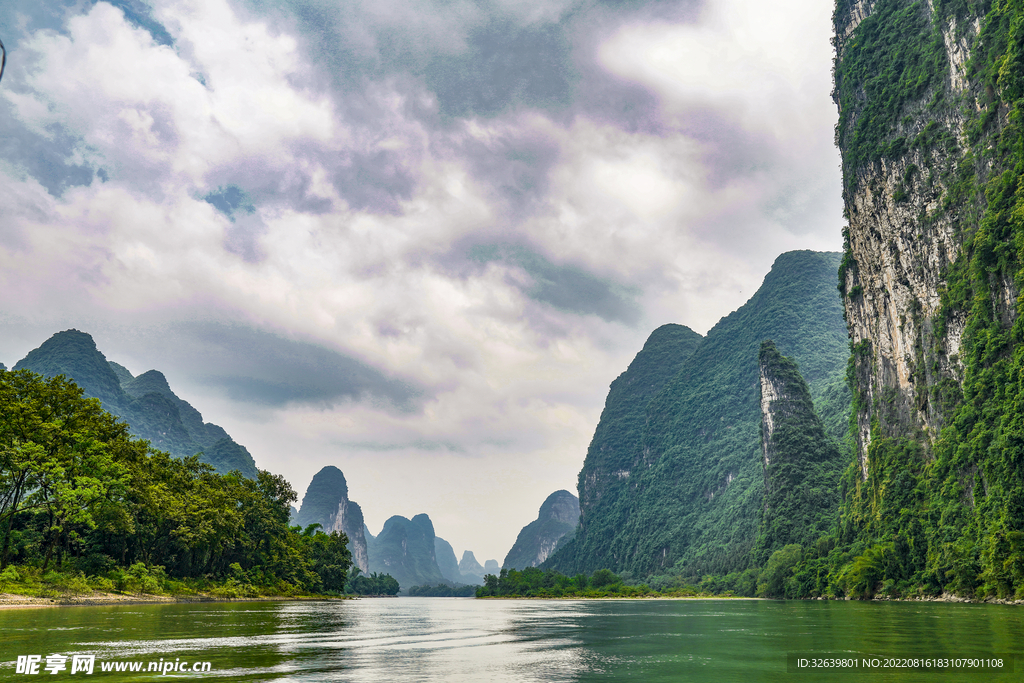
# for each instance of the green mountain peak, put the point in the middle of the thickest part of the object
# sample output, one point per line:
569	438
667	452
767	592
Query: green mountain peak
673	479
152	411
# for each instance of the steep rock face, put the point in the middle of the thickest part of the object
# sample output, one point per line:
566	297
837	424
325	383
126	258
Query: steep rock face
692	501
326	503
616	450
152	411
904	230
447	563
491	567
557	517
930	99
405	550
800	463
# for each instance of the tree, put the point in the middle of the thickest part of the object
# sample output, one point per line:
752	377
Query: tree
60	455
779	568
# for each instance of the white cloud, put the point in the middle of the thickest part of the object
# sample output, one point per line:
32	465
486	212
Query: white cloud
760	63
683	225
139	108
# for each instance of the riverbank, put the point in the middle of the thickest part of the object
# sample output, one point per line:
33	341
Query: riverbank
617	597
15	601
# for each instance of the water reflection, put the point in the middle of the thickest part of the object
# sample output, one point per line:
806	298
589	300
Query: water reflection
445	639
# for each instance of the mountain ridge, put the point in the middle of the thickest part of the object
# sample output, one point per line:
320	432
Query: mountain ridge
688	499
149	407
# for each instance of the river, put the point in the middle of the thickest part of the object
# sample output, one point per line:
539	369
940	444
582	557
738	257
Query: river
453	640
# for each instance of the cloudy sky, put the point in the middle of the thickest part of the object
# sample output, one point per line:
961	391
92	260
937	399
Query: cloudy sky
415	240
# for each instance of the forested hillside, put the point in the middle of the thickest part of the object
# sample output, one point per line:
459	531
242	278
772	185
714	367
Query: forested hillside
685	484
801	464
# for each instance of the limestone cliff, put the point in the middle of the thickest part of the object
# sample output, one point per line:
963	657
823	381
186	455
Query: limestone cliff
326	503
800	462
931	104
405	549
558	516
903	159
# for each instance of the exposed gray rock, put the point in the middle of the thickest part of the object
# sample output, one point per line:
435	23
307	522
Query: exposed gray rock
557	517
326	503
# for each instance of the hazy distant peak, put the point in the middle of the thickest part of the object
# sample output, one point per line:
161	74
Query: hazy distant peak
555	524
561	506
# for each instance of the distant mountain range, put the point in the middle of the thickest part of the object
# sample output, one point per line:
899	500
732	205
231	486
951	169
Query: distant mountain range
407	549
152	411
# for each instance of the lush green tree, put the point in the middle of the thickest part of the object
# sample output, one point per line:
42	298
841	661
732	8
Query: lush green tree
331	560
778	570
373	584
78	492
60	456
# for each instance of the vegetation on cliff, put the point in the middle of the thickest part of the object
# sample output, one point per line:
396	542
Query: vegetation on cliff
688	497
802	464
943	512
616	449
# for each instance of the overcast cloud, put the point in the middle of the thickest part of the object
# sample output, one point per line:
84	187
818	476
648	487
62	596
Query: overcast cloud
415	240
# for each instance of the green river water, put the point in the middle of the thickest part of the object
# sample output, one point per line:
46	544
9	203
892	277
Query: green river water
444	639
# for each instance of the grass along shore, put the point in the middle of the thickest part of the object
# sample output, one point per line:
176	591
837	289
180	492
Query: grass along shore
26	586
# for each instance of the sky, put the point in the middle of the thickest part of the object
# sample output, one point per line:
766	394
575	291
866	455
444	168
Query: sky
413	240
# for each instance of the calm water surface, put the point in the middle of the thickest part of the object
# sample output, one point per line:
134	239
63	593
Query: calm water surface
450	639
